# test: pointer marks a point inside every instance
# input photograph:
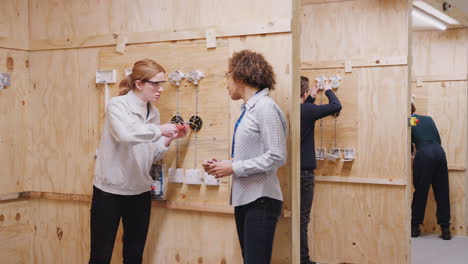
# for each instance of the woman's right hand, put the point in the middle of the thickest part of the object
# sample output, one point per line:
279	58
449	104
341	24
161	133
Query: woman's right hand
207	163
327	86
168	130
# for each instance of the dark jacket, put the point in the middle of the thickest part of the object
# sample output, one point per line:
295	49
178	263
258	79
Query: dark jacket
425	132
310	113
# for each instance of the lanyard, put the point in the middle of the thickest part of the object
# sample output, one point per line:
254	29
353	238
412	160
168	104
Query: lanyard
235	129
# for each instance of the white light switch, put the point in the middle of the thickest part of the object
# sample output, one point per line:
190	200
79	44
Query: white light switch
4	80
106	76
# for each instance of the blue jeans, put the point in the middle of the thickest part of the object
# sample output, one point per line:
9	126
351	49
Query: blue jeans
307	196
256	224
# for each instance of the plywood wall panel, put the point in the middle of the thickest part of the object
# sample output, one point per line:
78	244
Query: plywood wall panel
16	232
444	55
447	106
440	52
14	134
356	222
353	29
213	139
350	224
64	120
14	24
361	120
66	23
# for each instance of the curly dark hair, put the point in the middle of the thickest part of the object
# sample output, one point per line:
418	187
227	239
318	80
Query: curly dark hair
251	68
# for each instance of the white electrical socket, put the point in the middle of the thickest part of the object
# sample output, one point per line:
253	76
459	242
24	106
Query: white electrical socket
106	76
192	177
4	80
176	175
349	154
210	179
320	153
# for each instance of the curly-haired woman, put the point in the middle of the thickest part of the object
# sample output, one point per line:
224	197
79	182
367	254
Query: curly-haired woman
258	150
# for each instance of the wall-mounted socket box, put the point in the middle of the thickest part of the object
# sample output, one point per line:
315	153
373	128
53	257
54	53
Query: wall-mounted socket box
106	76
4	80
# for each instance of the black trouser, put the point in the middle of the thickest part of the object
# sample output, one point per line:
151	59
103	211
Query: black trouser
106	211
430	167
307	195
256	223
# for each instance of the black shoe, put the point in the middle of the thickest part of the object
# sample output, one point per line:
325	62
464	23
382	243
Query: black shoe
446	233
415	231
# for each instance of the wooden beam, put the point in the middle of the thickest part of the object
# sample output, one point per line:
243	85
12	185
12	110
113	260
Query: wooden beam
20	196
229	30
360	180
316	2
440	78
457	168
294	138
194	207
355	63
10	197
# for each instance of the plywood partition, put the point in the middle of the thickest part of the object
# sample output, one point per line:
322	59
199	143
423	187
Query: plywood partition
218	114
65	43
14	24
360	212
440	91
16	221
15	139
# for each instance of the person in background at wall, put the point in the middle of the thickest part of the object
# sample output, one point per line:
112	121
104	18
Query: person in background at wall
258	150
429	167
132	140
310	113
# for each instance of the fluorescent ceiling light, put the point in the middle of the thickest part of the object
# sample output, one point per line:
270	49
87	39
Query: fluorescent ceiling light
428	19
430	10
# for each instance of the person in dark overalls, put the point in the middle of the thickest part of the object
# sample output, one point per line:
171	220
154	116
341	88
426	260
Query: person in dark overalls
429	167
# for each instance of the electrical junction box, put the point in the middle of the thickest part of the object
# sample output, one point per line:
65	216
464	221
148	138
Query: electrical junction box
106	76
4	80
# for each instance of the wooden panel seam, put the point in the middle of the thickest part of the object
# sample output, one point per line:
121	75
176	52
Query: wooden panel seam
457	168
13	197
318	2
355	63
440	78
360	180
259	28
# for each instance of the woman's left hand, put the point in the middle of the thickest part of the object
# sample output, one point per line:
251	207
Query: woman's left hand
221	169
180	133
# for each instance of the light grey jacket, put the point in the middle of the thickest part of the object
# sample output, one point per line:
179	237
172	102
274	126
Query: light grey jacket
130	143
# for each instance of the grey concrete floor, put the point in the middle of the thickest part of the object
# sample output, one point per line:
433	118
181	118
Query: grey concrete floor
431	249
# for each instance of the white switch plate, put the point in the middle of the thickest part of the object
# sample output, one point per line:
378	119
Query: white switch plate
106	76
4	80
